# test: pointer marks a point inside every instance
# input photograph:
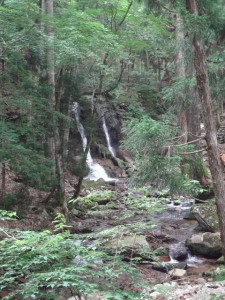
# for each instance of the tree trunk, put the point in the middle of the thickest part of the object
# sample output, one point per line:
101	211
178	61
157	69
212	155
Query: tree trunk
206	105
189	119
83	166
3	184
47	10
54	142
180	73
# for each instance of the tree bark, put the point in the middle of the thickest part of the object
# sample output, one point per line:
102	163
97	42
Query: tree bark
189	119
180	73
206	105
3	192
54	142
47	10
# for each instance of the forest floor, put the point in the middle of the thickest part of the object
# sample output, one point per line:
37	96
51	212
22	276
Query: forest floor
127	212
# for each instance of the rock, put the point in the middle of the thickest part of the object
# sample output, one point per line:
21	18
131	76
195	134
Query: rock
220	260
80	261
206	244
163	258
206	215
101	180
200	281
123	174
189	216
177	273
166	267
155	295
128	241
75	212
179	252
130	246
161	251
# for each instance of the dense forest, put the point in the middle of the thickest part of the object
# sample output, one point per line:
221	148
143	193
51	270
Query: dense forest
112	147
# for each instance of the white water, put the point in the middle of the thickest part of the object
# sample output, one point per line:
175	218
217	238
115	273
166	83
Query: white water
96	171
192	261
111	150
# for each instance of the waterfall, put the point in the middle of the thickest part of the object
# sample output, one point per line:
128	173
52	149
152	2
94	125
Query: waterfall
111	149
96	171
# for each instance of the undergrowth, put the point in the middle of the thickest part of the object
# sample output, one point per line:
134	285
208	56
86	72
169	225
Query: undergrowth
36	265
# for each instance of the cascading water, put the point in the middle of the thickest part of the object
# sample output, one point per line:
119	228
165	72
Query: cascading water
111	149
96	171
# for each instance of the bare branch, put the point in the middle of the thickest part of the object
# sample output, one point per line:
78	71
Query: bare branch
188	143
193	152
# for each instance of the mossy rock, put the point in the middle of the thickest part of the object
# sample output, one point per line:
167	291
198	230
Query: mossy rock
121	163
220	260
206	244
128	241
206	215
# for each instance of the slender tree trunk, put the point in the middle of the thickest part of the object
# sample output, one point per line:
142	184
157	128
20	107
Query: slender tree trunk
193	129
180	73
83	167
47	10
206	104
3	187
54	145
189	119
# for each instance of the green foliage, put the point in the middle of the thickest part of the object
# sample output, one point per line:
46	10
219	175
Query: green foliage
41	264
60	224
143	203
7	215
146	138
9	201
157	160
192	187
90	201
218	275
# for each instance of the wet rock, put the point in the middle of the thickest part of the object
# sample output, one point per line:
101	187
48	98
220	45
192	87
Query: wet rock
206	215
189	216
163	258
166	267
206	244
179	252
177	273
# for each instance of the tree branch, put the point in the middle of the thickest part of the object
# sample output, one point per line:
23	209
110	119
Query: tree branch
185	144
193	152
125	15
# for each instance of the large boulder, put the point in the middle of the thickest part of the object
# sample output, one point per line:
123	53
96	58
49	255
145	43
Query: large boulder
206	215
206	244
130	246
128	241
179	252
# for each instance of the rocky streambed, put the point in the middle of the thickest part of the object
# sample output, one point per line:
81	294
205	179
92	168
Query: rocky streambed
164	242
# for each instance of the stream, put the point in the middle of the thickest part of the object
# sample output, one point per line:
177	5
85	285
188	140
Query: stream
171	229
170	232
